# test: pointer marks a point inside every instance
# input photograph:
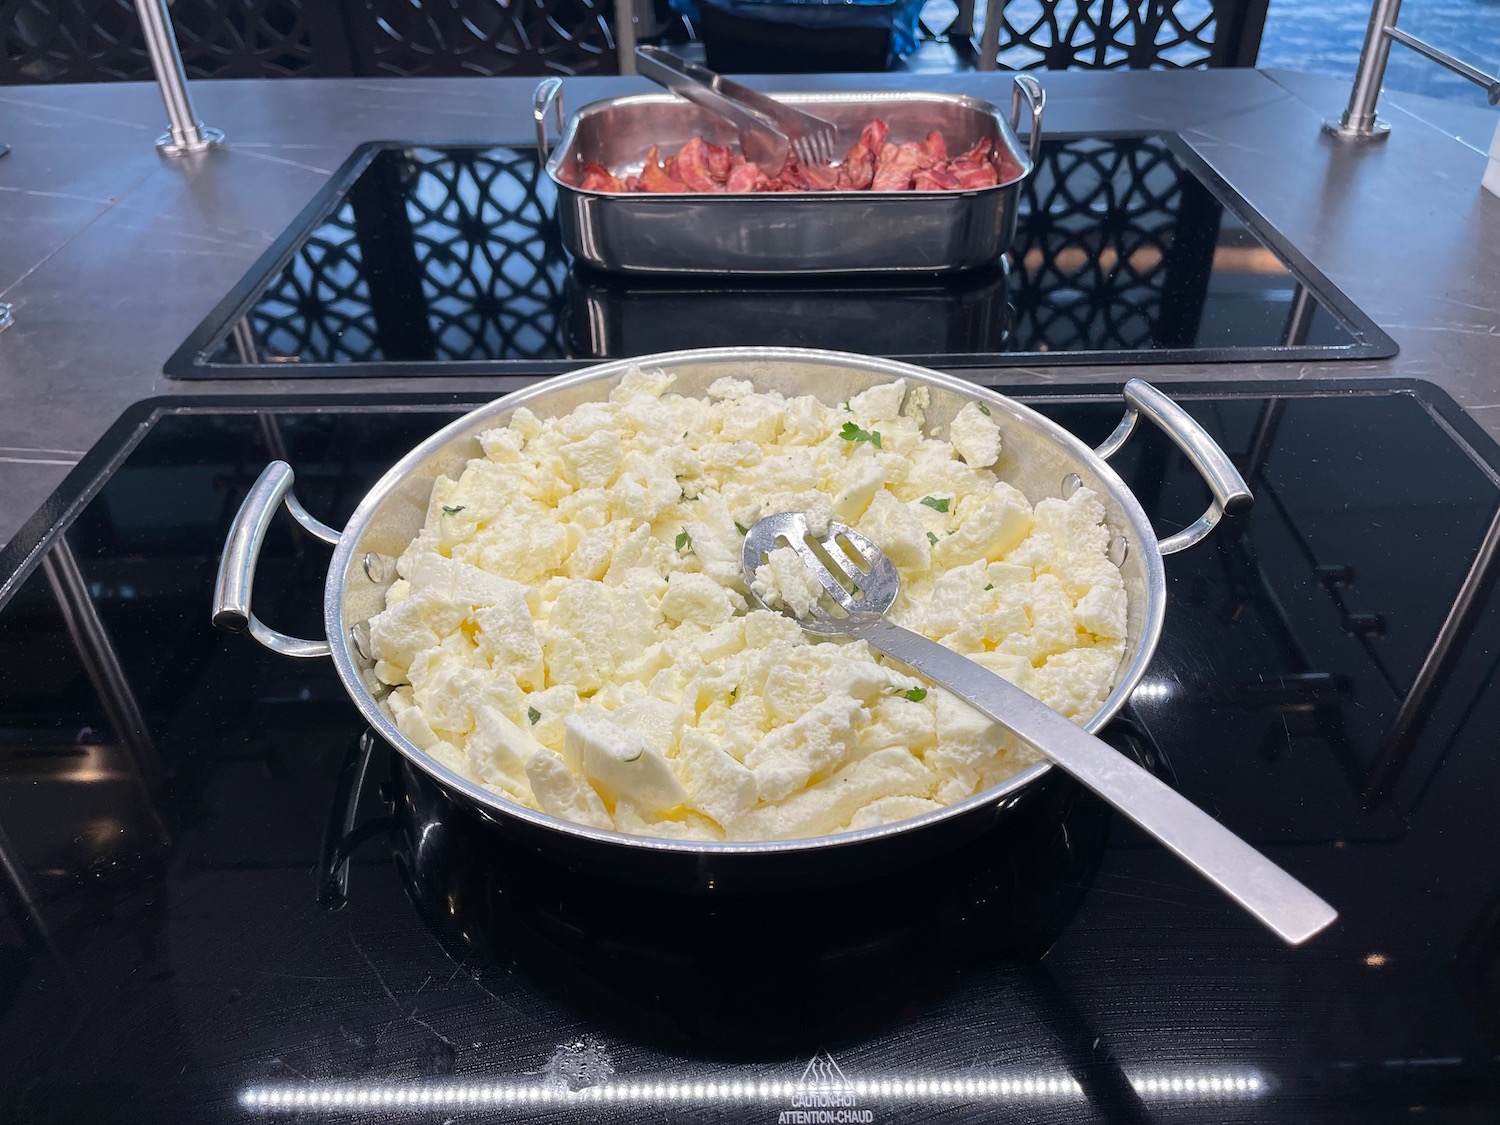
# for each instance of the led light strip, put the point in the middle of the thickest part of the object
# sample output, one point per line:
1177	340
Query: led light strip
465	1094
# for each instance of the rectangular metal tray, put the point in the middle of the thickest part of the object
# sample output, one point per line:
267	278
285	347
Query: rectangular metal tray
783	233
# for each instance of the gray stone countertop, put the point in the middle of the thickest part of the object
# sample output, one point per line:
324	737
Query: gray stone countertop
111	254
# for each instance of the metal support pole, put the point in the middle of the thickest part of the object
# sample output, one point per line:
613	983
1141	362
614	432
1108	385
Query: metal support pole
185	134
96	652
989	41
963	23
1359	122
635	20
1432	676
625	37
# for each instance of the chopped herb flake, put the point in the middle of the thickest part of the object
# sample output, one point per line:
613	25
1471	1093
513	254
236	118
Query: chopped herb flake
991	586
935	504
931	538
684	541
741	528
447	511
851	432
916	695
734	692
534	715
983	409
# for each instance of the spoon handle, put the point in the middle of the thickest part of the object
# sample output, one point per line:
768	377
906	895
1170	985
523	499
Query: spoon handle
1281	903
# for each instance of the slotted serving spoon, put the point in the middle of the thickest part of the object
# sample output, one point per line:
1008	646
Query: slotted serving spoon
864	587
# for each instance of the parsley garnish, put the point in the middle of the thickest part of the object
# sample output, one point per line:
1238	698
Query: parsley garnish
851	432
983	409
935	504
931	538
684	541
741	528
991	586
534	715
916	695
447	511
734	693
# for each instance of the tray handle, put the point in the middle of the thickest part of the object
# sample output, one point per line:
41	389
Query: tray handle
1031	90
242	552
548	96
1231	493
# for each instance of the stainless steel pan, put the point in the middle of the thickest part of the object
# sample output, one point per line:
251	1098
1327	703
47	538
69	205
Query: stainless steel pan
1040	458
776	232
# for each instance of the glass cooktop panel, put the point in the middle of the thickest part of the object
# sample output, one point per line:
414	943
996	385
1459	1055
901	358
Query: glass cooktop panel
222	902
416	259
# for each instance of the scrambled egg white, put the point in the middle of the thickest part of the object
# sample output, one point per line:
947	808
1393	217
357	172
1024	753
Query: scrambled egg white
571	628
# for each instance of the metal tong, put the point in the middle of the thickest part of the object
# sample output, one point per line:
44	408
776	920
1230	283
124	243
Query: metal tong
767	127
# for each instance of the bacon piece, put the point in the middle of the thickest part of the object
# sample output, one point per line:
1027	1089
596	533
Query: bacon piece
896	167
794	177
720	161
633	183
598	178
692	167
790	175
980	153
747	177
971	175
858	170
820	179
656	178
935	147
936	178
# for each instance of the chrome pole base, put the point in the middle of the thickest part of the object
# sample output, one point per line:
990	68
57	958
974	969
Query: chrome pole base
1336	127
170	145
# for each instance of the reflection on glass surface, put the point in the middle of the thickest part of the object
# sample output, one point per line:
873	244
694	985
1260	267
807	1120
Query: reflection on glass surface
980	1091
452	254
432	254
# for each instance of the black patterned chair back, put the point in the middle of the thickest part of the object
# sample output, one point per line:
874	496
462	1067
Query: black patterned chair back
100	40
456	38
1134	34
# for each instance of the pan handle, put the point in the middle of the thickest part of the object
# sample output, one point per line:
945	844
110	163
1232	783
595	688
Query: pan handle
1231	493
1028	87
548	96
242	552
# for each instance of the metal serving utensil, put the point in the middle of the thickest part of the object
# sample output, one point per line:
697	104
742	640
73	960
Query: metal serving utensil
761	119
862	583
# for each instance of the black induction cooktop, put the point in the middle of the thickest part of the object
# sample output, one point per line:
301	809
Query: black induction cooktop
446	259
224	901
